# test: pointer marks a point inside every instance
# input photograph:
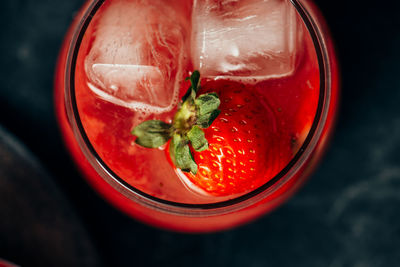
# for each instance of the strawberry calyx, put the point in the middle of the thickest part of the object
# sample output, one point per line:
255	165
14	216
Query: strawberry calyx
194	114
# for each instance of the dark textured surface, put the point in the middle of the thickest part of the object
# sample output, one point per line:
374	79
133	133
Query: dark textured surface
347	215
37	227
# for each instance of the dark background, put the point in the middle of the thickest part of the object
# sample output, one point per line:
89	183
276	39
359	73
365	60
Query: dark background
347	214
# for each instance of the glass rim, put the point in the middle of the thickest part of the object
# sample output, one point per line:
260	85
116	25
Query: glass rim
201	209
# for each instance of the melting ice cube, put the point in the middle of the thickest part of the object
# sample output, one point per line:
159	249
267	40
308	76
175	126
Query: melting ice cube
138	55
127	84
244	38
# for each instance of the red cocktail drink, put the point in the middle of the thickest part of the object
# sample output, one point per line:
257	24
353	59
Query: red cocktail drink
125	62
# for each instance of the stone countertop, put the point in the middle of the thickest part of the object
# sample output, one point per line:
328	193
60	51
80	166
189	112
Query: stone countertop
346	215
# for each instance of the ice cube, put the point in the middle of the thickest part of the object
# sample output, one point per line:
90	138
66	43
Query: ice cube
139	54
127	84
245	38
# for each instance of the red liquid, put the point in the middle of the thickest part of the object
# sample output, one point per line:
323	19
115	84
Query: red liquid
4	263
291	103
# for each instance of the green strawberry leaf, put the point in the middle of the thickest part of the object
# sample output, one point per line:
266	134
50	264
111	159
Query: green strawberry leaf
181	155
205	121
194	80
152	134
187	94
192	115
206	103
197	139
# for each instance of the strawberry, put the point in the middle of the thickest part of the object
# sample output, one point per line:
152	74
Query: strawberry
235	159
218	139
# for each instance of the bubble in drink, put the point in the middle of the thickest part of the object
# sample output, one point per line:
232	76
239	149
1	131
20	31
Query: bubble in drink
244	38
138	55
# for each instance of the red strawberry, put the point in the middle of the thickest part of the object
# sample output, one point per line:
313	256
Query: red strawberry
238	142
229	146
